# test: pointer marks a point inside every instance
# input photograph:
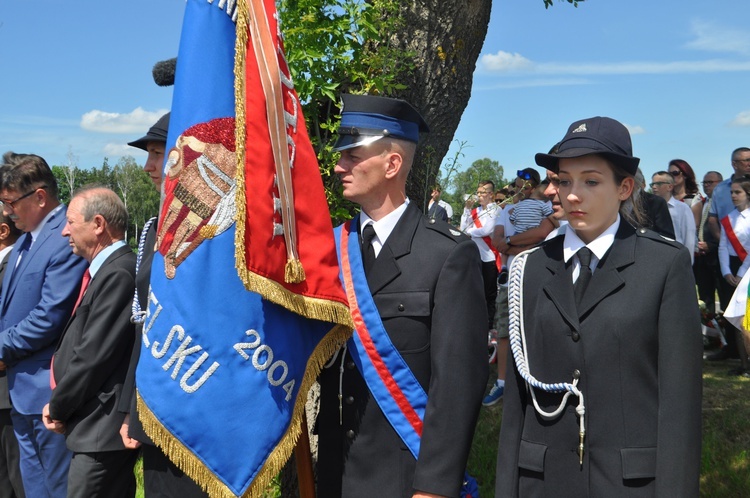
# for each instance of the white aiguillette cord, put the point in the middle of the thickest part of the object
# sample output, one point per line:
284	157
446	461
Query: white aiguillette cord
520	353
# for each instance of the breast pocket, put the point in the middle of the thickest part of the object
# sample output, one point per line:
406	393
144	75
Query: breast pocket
406	316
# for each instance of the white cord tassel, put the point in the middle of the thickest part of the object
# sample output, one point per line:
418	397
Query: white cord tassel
520	353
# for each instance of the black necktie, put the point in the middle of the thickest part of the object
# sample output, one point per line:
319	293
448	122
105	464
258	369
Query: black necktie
368	252
584	257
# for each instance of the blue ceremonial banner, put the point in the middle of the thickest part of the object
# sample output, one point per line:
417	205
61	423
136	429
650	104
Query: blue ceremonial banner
245	303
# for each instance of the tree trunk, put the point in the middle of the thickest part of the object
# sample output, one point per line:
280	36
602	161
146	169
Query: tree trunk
447	37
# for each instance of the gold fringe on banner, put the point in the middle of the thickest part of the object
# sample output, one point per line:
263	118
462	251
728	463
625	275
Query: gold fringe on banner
309	307
194	467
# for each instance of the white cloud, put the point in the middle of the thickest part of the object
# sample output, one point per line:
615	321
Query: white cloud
741	119
119	150
710	36
635	129
516	64
137	121
503	62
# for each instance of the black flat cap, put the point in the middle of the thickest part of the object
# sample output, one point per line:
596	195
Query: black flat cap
598	135
157	133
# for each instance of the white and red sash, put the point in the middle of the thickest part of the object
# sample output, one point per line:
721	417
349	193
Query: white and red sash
487	240
736	244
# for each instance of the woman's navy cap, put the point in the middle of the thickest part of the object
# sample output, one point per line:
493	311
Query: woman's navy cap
157	133
367	118
598	135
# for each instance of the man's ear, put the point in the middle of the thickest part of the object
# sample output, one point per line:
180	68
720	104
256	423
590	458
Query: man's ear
395	163
4	231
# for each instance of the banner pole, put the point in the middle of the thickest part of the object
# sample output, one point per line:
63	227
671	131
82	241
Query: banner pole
303	456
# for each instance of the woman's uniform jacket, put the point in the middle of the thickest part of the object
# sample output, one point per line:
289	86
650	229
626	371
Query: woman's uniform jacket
635	346
427	286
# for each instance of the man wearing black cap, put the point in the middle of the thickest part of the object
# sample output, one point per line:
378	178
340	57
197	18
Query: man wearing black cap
426	335
604	395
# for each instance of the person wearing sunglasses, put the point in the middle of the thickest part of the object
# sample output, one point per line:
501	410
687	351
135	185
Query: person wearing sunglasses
706	263
686	187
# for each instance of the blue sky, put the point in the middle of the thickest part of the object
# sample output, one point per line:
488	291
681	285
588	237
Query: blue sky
77	78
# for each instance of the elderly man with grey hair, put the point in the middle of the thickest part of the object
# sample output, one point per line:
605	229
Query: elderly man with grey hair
92	356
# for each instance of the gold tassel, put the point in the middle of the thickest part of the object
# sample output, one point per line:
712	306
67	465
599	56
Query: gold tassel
294	273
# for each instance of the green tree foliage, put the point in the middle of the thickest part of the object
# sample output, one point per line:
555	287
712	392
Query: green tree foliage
127	179
465	182
329	52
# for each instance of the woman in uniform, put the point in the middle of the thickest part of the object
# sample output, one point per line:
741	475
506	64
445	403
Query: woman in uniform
603	397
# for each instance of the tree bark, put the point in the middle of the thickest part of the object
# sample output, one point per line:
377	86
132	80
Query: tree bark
447	37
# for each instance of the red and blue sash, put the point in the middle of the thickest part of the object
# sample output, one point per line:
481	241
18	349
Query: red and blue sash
390	380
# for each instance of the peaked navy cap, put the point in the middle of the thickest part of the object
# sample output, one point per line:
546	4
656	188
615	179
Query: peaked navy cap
367	118
598	135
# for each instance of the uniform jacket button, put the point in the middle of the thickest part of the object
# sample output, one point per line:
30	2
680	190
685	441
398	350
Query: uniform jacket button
350	434
401	307
575	336
349	400
350	365
576	374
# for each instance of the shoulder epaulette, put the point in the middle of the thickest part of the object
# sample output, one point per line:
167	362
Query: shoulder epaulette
444	228
650	234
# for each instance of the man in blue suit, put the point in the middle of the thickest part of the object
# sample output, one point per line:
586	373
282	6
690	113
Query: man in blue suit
39	290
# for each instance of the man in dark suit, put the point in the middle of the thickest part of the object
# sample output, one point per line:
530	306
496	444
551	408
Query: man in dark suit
435	209
11	484
426	283
92	356
38	293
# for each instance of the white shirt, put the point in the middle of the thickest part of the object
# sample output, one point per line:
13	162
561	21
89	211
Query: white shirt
448	208
599	246
683	222
383	227
487	218
740	222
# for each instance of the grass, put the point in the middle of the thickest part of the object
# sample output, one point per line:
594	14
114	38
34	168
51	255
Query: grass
725	465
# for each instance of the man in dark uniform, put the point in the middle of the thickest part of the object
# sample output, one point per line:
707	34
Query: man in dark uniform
426	283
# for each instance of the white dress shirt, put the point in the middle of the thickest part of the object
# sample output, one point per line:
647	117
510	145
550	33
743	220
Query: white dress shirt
487	217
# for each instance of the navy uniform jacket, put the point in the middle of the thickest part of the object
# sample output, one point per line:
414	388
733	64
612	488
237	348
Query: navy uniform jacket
427	285
92	358
636	347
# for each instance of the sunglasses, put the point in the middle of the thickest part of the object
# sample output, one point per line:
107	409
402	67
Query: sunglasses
523	175
675	172
656	184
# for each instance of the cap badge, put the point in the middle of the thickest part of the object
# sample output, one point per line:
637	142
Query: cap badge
455	233
580	129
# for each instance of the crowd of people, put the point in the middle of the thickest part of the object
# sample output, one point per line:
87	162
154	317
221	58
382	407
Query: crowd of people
574	277
68	346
